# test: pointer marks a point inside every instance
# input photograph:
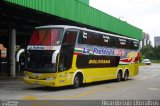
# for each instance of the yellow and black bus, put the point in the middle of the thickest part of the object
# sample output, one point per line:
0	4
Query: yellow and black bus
60	55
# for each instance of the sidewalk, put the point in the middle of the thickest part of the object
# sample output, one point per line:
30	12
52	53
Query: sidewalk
4	75
7	78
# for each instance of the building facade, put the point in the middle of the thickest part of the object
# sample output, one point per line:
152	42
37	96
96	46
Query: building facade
145	40
157	41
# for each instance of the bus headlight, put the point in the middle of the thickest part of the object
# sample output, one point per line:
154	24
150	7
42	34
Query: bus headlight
26	76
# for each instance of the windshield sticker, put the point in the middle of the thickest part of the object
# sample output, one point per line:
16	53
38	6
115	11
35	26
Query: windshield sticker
40	48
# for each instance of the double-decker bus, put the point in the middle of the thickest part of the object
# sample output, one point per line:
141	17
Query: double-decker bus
60	55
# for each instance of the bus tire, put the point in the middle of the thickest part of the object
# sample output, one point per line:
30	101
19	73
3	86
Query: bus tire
76	82
126	75
119	76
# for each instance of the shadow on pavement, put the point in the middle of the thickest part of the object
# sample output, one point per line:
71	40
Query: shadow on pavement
42	88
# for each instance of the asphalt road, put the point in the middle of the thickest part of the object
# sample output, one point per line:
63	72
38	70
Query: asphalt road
145	86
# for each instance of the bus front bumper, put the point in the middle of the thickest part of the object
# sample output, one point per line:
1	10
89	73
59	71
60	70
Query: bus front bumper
50	83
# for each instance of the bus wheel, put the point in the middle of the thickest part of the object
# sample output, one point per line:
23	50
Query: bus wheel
76	82
126	75
119	76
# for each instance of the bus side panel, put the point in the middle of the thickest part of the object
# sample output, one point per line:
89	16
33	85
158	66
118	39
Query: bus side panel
133	69
99	74
136	68
92	74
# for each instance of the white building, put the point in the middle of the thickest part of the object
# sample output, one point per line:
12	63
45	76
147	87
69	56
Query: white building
146	40
157	41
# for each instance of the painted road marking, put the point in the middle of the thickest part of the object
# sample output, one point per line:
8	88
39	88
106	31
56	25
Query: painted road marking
142	78
29	97
147	77
77	95
90	92
154	75
154	89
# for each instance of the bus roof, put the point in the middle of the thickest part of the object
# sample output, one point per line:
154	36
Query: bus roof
85	29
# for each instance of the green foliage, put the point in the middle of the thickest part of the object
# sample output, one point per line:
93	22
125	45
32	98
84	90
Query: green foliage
141	56
152	53
157	52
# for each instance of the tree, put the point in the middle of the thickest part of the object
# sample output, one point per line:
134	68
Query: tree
146	51
157	52
150	52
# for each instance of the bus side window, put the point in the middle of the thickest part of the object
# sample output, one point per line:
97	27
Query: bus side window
129	44
135	45
106	40
122	43
98	39
83	37
90	38
80	38
70	37
113	41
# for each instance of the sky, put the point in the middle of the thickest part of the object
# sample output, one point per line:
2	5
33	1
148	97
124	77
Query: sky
144	14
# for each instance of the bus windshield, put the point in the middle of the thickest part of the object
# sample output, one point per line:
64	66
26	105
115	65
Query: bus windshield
47	37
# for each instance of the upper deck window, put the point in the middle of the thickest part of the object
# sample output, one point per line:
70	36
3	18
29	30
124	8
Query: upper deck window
86	37
70	37
106	40
47	37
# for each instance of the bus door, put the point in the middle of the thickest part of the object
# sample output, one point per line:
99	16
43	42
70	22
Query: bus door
66	55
